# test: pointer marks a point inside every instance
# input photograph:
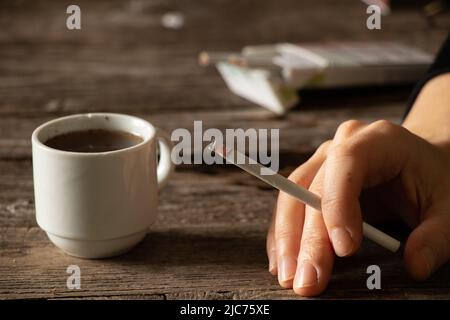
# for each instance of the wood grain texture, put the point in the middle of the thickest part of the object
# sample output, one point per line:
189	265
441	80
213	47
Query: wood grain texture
301	131
209	240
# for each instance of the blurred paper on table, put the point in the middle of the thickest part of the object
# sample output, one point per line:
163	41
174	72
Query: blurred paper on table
350	64
258	86
270	75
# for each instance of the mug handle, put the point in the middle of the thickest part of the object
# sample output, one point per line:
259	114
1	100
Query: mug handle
165	165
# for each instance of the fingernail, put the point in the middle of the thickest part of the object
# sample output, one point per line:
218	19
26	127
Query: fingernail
287	268
428	255
272	261
307	276
342	241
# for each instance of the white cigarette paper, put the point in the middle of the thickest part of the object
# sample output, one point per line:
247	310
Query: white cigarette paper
281	183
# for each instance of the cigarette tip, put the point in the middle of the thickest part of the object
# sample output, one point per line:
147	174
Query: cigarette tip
204	59
218	148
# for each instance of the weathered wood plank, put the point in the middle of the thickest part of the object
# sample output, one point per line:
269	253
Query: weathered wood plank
301	131
183	262
123	59
191	197
194	244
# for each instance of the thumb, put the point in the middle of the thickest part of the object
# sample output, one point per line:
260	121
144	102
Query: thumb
428	246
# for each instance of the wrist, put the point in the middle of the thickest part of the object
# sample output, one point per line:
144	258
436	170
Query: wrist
429	115
431	137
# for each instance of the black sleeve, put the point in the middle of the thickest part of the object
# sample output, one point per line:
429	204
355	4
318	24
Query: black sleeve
441	65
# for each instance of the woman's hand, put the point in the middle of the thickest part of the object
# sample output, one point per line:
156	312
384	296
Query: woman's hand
401	174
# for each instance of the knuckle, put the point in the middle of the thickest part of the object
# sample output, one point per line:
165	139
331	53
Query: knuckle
284	234
384	126
347	128
313	248
323	148
331	201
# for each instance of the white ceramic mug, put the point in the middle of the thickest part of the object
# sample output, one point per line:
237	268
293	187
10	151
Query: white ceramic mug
100	204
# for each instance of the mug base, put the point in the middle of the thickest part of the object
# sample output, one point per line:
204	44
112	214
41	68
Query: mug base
97	249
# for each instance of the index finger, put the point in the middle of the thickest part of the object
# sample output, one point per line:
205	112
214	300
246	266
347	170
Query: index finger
375	154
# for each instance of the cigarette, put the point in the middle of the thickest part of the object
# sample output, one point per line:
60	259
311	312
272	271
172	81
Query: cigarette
268	50
303	195
211	58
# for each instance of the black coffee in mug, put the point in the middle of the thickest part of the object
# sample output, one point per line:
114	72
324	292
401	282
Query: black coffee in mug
93	140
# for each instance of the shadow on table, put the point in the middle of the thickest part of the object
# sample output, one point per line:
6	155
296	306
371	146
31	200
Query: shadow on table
210	247
243	250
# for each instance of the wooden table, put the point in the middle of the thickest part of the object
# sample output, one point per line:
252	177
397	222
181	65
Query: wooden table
209	241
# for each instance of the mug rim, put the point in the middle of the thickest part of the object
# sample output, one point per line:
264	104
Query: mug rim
37	142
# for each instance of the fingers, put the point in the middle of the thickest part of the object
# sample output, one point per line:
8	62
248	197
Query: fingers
315	260
283	240
336	220
427	248
287	234
270	247
370	156
360	156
